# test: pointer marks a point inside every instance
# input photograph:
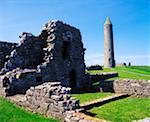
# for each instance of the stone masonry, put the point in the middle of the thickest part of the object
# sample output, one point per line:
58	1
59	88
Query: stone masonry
53	100
5	50
50	99
57	54
137	88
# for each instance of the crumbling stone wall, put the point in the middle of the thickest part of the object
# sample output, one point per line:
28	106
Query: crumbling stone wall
50	99
28	54
57	54
5	50
18	81
64	55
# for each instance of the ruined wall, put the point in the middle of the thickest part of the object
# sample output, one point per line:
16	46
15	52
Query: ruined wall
64	54
50	99
5	50
138	88
28	54
18	81
57	54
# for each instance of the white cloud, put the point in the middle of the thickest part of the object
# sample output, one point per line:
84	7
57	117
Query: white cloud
135	60
93	59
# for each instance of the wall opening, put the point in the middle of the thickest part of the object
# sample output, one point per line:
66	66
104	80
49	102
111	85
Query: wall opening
65	50
72	79
38	79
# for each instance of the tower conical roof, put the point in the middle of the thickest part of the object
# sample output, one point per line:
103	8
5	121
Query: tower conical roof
107	22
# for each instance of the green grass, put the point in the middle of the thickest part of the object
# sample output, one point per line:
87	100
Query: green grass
87	97
133	72
11	113
140	69
125	110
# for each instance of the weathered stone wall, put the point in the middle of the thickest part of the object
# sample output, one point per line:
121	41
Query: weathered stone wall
5	50
138	88
28	54
64	55
57	54
18	81
103	76
50	99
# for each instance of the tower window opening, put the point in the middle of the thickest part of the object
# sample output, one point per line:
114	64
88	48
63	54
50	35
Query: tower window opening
65	49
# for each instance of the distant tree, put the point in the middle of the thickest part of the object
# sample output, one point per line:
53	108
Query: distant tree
129	64
124	64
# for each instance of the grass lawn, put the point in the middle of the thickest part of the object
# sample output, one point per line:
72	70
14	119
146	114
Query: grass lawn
87	97
132	72
124	110
11	113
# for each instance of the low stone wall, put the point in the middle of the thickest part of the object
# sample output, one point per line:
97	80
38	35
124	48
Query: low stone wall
139	88
50	99
103	76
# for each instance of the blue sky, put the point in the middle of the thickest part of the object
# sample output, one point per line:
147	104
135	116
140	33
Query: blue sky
130	18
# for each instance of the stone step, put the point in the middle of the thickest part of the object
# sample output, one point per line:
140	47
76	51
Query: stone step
102	101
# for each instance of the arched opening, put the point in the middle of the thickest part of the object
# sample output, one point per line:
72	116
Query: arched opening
72	83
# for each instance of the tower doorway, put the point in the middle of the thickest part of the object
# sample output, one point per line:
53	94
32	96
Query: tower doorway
73	79
65	50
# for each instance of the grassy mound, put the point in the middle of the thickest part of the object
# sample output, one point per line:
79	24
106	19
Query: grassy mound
125	110
11	113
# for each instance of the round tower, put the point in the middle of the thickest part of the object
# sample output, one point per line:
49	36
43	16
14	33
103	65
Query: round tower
109	61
